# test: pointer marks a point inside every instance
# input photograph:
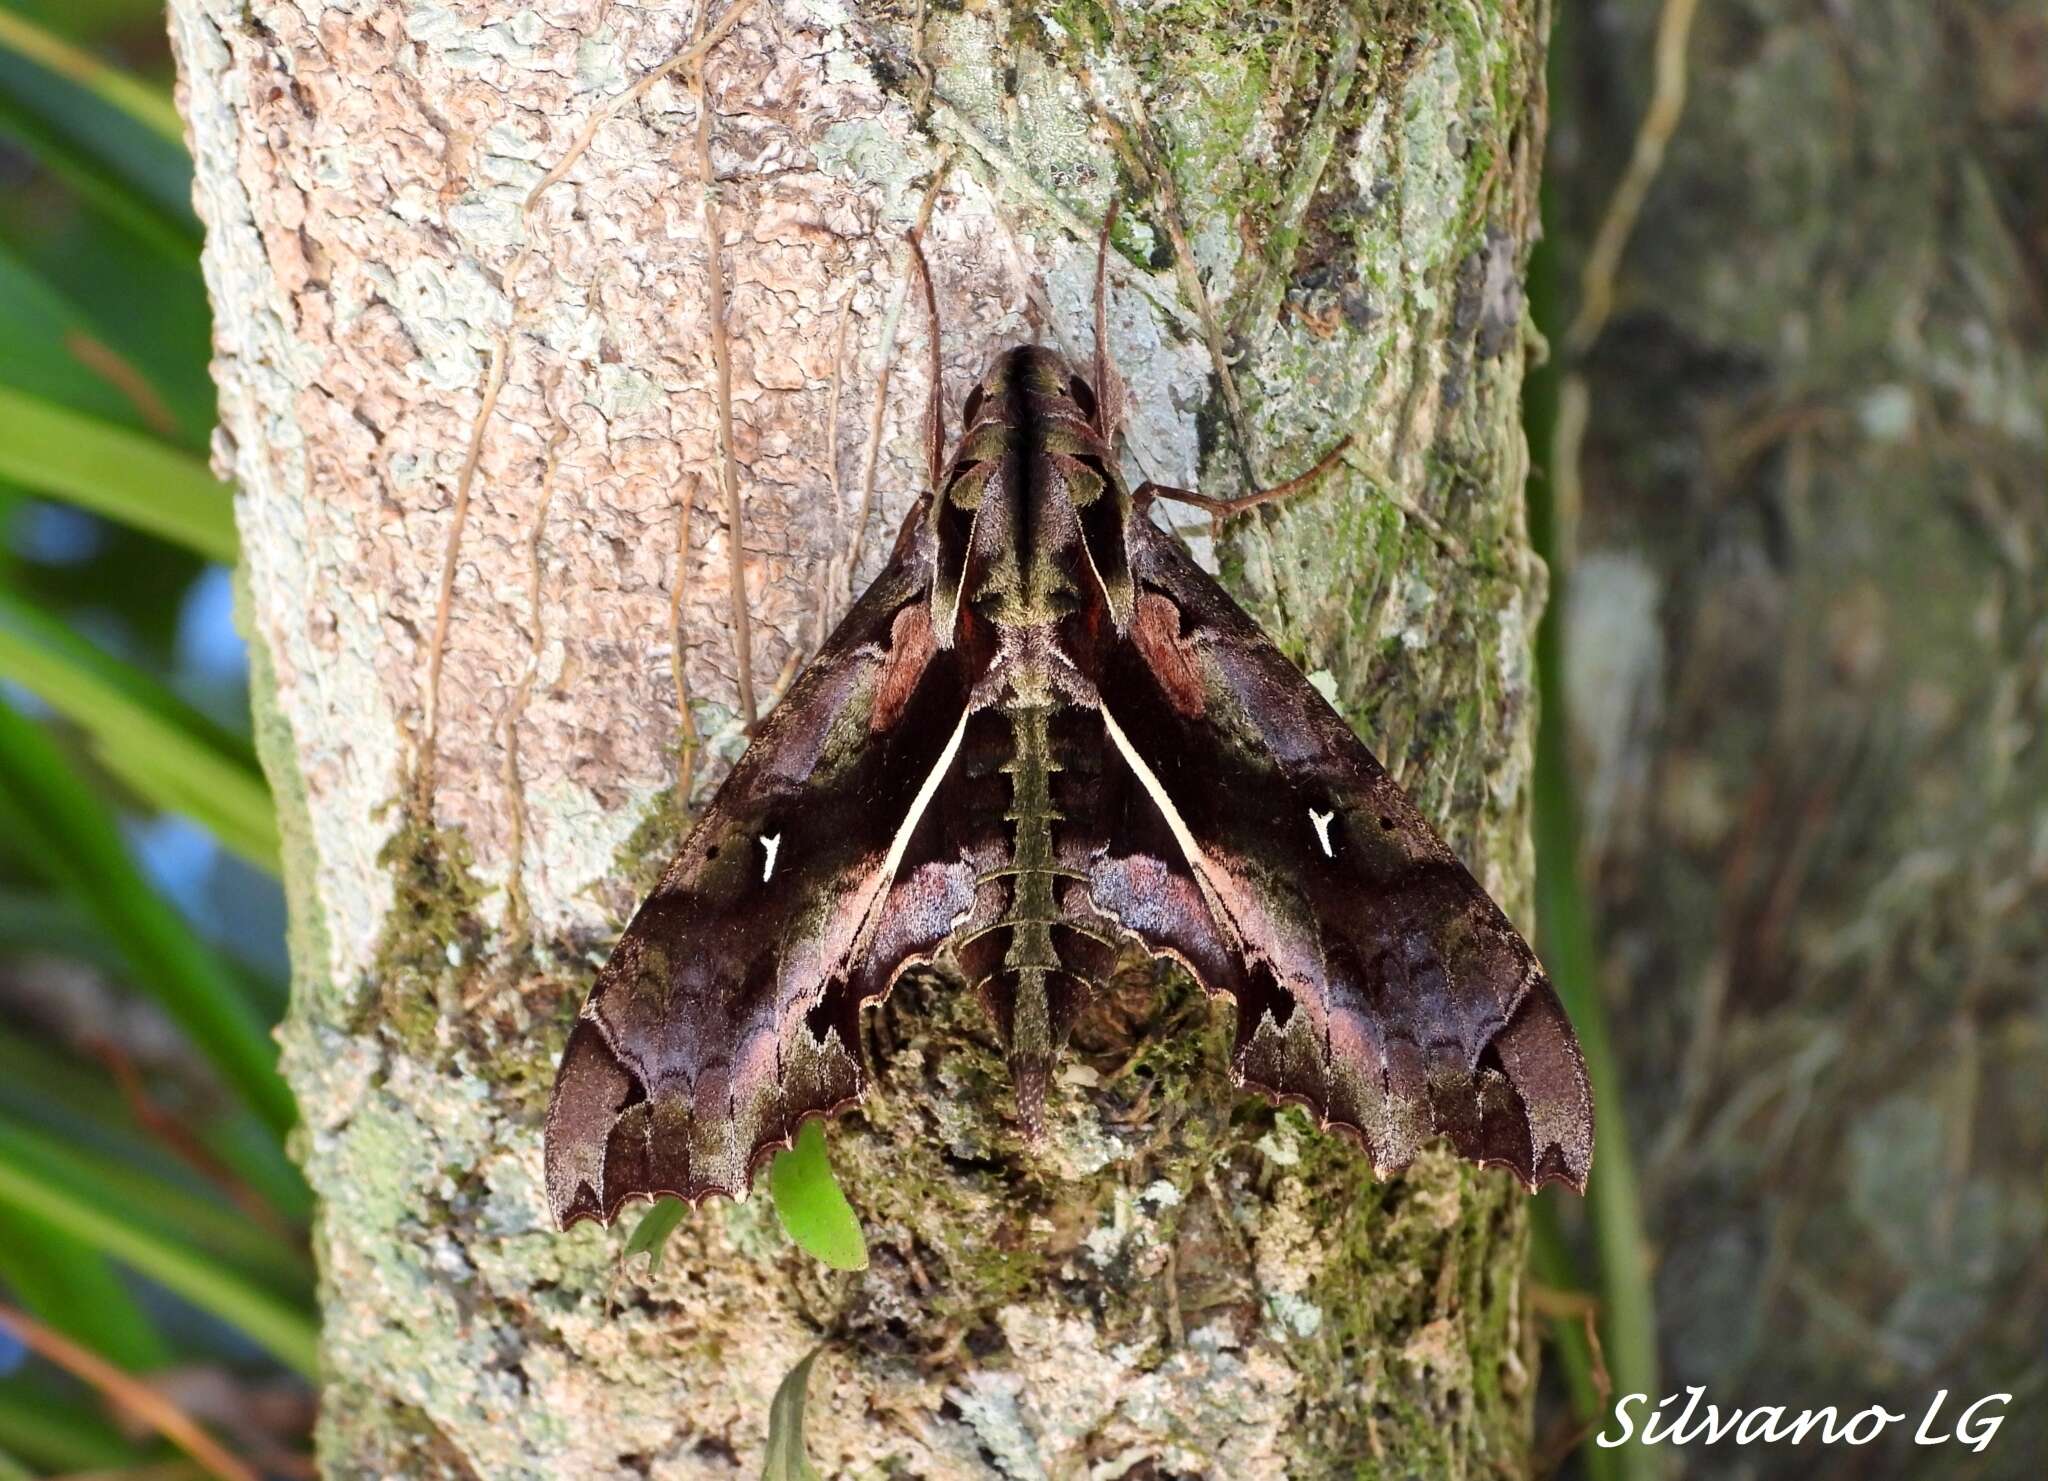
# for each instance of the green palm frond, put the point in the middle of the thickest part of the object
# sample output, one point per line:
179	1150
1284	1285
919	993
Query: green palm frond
171	755
70	836
123	475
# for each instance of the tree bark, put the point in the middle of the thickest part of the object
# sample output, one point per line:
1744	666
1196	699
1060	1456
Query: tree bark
1184	1281
1806	628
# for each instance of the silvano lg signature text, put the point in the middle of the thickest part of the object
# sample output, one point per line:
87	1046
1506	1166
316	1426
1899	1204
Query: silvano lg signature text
1772	1424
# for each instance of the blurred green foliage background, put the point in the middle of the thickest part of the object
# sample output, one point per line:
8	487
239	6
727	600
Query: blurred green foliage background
148	1212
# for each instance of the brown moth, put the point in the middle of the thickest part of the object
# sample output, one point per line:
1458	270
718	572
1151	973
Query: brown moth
1042	734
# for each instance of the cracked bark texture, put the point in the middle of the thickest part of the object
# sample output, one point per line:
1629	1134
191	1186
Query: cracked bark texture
1184	1282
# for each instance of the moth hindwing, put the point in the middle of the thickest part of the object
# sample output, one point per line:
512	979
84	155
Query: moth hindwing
1042	733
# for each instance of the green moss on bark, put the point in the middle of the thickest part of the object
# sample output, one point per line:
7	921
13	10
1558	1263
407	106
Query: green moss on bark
434	937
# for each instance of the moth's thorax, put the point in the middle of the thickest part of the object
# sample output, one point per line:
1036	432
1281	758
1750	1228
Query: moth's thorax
1020	503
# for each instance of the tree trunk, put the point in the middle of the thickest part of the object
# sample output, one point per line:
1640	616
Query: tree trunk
1183	1280
1808	624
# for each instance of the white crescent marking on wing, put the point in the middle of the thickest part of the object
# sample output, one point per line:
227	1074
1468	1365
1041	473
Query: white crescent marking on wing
900	844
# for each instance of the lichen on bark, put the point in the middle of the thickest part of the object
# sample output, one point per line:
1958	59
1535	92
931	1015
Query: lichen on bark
1184	1281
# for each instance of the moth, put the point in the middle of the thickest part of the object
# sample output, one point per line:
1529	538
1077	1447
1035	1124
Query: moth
1041	735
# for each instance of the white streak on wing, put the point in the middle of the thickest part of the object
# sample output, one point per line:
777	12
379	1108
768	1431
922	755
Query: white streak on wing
1198	862
1154	788
1321	822
947	624
773	844
900	844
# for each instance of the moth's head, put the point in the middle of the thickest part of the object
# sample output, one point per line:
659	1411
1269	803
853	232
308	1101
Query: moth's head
1055	388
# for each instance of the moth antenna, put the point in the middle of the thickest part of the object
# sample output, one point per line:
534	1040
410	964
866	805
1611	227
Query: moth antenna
935	409
1109	388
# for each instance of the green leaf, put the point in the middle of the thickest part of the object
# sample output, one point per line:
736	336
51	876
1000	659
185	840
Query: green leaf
53	924
75	1290
93	325
127	170
61	1101
60	1435
57	825
1565	930
286	1330
142	223
148	106
165	1208
117	473
650	1235
787	1459
813	1209
256	1154
172	755
44	333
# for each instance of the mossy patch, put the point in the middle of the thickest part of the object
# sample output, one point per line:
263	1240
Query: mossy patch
390	1437
1417	1291
434	937
652	843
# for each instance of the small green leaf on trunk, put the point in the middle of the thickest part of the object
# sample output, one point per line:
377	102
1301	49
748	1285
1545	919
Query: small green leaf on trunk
813	1209
787	1459
650	1235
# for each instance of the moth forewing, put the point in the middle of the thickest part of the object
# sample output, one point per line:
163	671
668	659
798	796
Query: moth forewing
1048	729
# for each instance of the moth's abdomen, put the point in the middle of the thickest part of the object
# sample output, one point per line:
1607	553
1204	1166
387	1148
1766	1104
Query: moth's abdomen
1035	947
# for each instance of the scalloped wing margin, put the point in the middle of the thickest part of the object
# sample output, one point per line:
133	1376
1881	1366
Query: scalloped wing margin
729	1011
1263	846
